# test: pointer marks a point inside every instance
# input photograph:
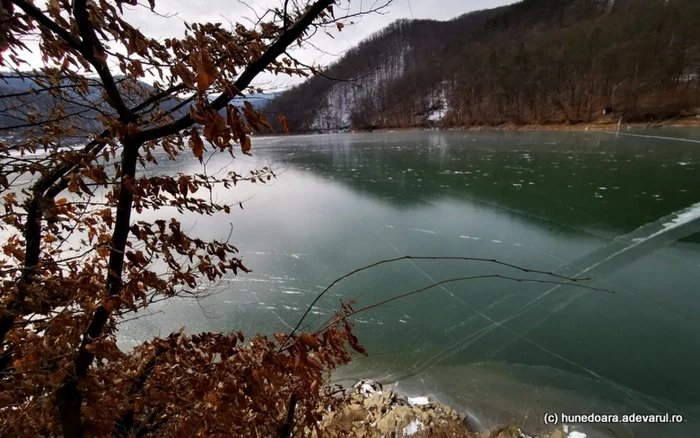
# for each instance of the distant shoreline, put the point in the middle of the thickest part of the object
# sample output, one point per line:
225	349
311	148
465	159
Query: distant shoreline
688	121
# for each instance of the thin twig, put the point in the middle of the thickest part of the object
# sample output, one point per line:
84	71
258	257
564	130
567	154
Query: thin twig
408	257
340	317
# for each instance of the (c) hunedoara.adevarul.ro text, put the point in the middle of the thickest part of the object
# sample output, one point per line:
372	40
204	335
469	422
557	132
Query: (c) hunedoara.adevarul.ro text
554	418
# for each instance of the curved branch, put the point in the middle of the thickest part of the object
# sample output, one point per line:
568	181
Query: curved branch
338	318
396	259
315	70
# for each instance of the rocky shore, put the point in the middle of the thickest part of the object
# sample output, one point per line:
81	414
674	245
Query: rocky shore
375	412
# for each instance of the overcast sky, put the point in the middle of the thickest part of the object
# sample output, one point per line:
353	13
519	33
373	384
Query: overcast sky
327	48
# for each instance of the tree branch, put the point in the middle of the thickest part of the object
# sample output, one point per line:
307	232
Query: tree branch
44	122
68	396
277	48
47	185
383	262
87	48
338	318
46	22
93	51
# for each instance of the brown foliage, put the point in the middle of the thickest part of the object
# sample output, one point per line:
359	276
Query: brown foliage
74	262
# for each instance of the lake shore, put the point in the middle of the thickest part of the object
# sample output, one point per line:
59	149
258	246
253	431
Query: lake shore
372	411
608	124
600	125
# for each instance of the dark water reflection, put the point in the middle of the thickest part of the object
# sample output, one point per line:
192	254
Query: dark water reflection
619	209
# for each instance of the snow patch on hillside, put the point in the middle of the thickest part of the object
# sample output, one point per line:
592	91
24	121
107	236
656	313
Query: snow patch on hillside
344	98
438	106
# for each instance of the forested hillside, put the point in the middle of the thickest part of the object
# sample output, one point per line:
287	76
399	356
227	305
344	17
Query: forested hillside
534	62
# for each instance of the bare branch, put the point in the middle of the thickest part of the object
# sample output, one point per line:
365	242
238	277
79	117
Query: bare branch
397	259
342	316
92	50
47	23
277	48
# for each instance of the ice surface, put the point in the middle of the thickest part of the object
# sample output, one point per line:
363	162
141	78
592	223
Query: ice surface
422	231
470	237
687	215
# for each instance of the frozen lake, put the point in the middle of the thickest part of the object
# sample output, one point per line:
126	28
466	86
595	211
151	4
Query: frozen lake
621	209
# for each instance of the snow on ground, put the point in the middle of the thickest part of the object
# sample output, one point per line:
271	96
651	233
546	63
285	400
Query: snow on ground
414	427
343	98
418	401
439	106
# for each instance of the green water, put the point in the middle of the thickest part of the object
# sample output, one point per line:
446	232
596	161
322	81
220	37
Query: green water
620	209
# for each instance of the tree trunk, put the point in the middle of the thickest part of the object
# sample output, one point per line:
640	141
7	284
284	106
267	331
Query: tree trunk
68	397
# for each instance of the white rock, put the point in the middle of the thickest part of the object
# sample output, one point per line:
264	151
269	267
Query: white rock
418	401
368	387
